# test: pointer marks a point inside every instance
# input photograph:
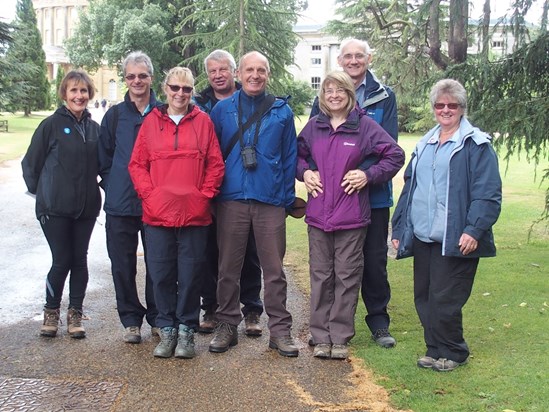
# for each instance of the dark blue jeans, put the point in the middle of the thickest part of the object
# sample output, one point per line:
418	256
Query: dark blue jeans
250	280
122	242
68	239
376	291
175	258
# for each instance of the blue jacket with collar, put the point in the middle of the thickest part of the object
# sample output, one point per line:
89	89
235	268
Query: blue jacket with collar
119	129
273	180
379	104
473	195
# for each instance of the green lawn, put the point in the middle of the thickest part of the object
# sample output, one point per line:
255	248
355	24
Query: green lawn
505	321
14	143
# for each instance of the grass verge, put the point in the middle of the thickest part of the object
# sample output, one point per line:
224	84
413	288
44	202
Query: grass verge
505	320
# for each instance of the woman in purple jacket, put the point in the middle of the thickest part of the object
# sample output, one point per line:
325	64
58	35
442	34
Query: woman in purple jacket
341	152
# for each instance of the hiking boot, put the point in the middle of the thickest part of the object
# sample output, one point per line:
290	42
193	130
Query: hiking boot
185	343
132	334
426	362
340	351
383	338
252	324
168	341
225	336
209	322
446	365
155	331
322	350
285	345
51	320
74	324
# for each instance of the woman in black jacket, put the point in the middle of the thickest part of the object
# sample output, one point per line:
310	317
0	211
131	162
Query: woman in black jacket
60	168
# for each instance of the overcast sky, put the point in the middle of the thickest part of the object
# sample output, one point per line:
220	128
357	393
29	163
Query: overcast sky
319	10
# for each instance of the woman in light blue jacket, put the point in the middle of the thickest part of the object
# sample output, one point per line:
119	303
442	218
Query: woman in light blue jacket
444	218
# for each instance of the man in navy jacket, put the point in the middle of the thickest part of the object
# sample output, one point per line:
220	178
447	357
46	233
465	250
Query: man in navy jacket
122	207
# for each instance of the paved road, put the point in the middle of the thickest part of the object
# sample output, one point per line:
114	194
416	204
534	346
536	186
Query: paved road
103	373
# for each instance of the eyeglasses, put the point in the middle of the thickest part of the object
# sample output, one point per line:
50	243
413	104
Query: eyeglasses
357	56
141	76
451	106
329	92
175	88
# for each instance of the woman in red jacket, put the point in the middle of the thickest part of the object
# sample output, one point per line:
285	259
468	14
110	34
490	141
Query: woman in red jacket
176	167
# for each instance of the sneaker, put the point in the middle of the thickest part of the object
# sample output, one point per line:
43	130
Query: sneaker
446	365
209	322
185	343
50	324
132	334
252	324
168	341
383	338
155	331
426	362
74	324
285	345
340	351
322	350
225	336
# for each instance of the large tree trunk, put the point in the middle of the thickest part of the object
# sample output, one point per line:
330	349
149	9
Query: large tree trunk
484	53
434	36
457	34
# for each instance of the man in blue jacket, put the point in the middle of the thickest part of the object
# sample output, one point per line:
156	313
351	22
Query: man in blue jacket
379	102
257	191
221	70
122	207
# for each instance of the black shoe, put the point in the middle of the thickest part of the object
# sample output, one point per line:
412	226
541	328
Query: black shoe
383	338
225	336
209	322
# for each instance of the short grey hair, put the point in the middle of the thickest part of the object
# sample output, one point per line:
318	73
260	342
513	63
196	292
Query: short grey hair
362	43
449	87
138	57
219	55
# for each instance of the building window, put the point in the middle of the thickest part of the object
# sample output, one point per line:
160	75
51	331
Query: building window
315	61
316	47
497	44
315	82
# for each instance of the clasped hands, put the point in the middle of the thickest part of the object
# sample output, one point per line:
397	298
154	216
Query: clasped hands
354	180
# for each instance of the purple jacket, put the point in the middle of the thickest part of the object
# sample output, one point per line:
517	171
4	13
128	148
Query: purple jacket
358	142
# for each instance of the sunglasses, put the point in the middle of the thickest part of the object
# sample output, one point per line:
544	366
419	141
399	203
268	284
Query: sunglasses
174	88
451	106
141	76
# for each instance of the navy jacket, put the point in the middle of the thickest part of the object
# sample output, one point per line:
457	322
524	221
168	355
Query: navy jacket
206	99
379	104
119	130
473	196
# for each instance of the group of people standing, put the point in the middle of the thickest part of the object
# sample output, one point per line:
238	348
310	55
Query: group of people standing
207	179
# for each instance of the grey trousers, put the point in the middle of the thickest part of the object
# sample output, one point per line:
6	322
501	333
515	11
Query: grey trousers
234	221
336	262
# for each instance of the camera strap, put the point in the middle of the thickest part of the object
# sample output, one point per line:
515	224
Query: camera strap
254	118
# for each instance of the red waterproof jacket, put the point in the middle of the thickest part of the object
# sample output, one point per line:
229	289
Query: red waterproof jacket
176	169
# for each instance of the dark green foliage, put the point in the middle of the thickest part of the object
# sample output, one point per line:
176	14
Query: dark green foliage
301	94
60	74
27	81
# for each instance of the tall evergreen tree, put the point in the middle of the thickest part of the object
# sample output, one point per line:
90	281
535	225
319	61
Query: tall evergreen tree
29	84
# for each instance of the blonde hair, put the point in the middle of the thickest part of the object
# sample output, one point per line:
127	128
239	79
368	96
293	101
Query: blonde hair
340	80
181	75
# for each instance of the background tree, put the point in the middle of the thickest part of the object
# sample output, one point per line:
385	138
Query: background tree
5	40
240	26
56	99
28	82
110	29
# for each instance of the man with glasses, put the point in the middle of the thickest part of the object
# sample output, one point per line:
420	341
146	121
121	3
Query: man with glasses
123	225
221	69
379	102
